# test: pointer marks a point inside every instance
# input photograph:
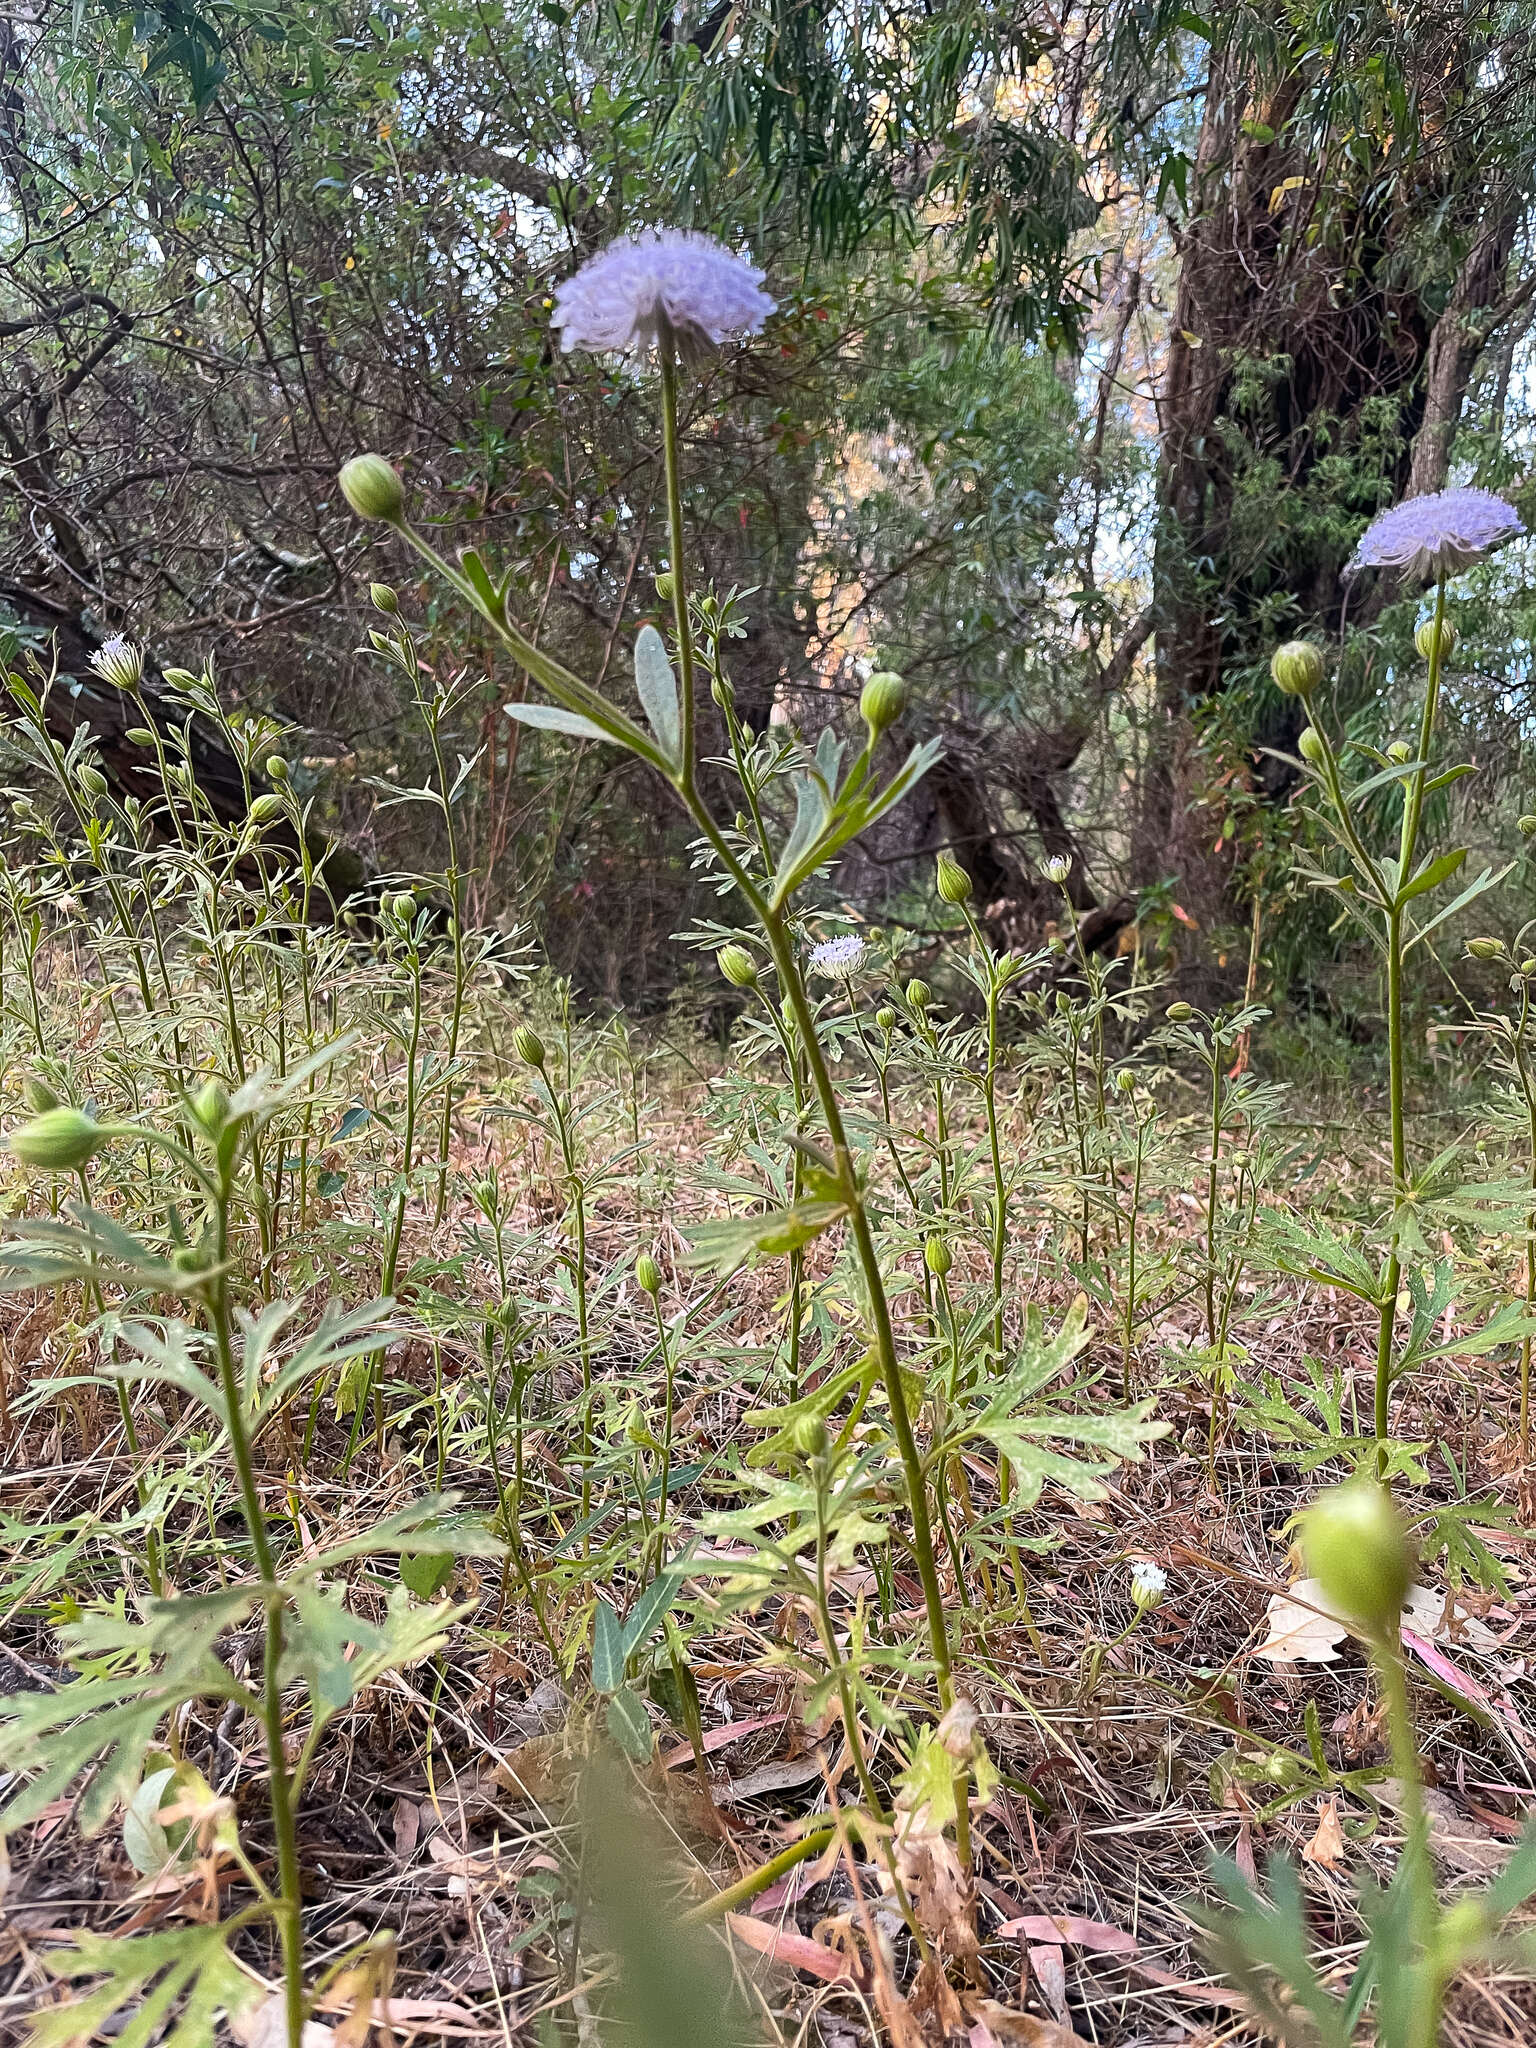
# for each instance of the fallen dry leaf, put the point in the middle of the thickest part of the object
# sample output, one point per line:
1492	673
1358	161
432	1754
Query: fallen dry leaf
1066	1928
780	1945
1457	1841
997	2026
1049	1971
1327	1844
1301	1630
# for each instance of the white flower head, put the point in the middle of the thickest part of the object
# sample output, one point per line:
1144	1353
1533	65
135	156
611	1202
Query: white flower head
1057	868
1149	1582
840	957
666	289
1436	534
119	662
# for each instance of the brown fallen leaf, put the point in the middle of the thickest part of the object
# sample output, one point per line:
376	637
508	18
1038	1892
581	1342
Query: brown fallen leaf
538	1772
1300	1627
1066	1928
1047	1967
1327	1844
997	2026
780	1945
1460	1843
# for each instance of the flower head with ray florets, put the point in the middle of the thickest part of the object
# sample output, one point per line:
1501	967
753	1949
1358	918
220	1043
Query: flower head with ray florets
664	289
1437	534
840	956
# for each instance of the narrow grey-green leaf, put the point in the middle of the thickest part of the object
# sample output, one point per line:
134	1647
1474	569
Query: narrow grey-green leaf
555	718
657	687
607	1648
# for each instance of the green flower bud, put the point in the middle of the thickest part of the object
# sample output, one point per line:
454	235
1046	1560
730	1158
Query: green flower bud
886	1017
210	1106
1310	746
882	701
1399	751
1180	1013
647	1275
937	1257
666	586
1528	967
1297	668
92	781
266	808
1527	824
1125	1081
59	1140
1357	1550
738	966
37	1095
811	1436
954	884
384	598
372	487
1431	631
919	995
528	1046
1057	869
486	1193
277	768
1485	949
139	736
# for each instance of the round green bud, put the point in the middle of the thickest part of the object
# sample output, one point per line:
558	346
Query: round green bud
882	700
1125	1081
277	768
954	884
1297	668
265	809
1310	746
187	1258
1357	1550
666	586
738	966
1485	949
528	1046
1528	967
210	1106
1433	632
372	487
1399	751
37	1095
811	1436
937	1257
139	736
1180	1013
919	994
647	1275
59	1140
1527	824
384	598
742	822
486	1193
92	781
886	1017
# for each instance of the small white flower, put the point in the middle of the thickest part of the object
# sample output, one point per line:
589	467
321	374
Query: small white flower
838	957
667	289
1441	531
1057	869
1149	1582
119	662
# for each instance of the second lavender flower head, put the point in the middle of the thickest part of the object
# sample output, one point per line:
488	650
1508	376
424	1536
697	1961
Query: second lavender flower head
1437	534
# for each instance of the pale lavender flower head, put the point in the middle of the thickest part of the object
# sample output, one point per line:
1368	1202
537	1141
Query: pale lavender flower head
839	957
665	289
119	662
1437	534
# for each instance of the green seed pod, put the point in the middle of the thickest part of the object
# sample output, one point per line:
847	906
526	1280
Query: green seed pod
1432	630
1297	668
266	808
954	884
59	1140
811	1436
210	1106
37	1095
1399	751
277	768
1357	1550
919	995
1527	824
372	487
882	701
1180	1013
1485	949
937	1257
648	1275
528	1046
886	1017
666	586
92	781
1528	967
738	966
139	736
384	598
1310	746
